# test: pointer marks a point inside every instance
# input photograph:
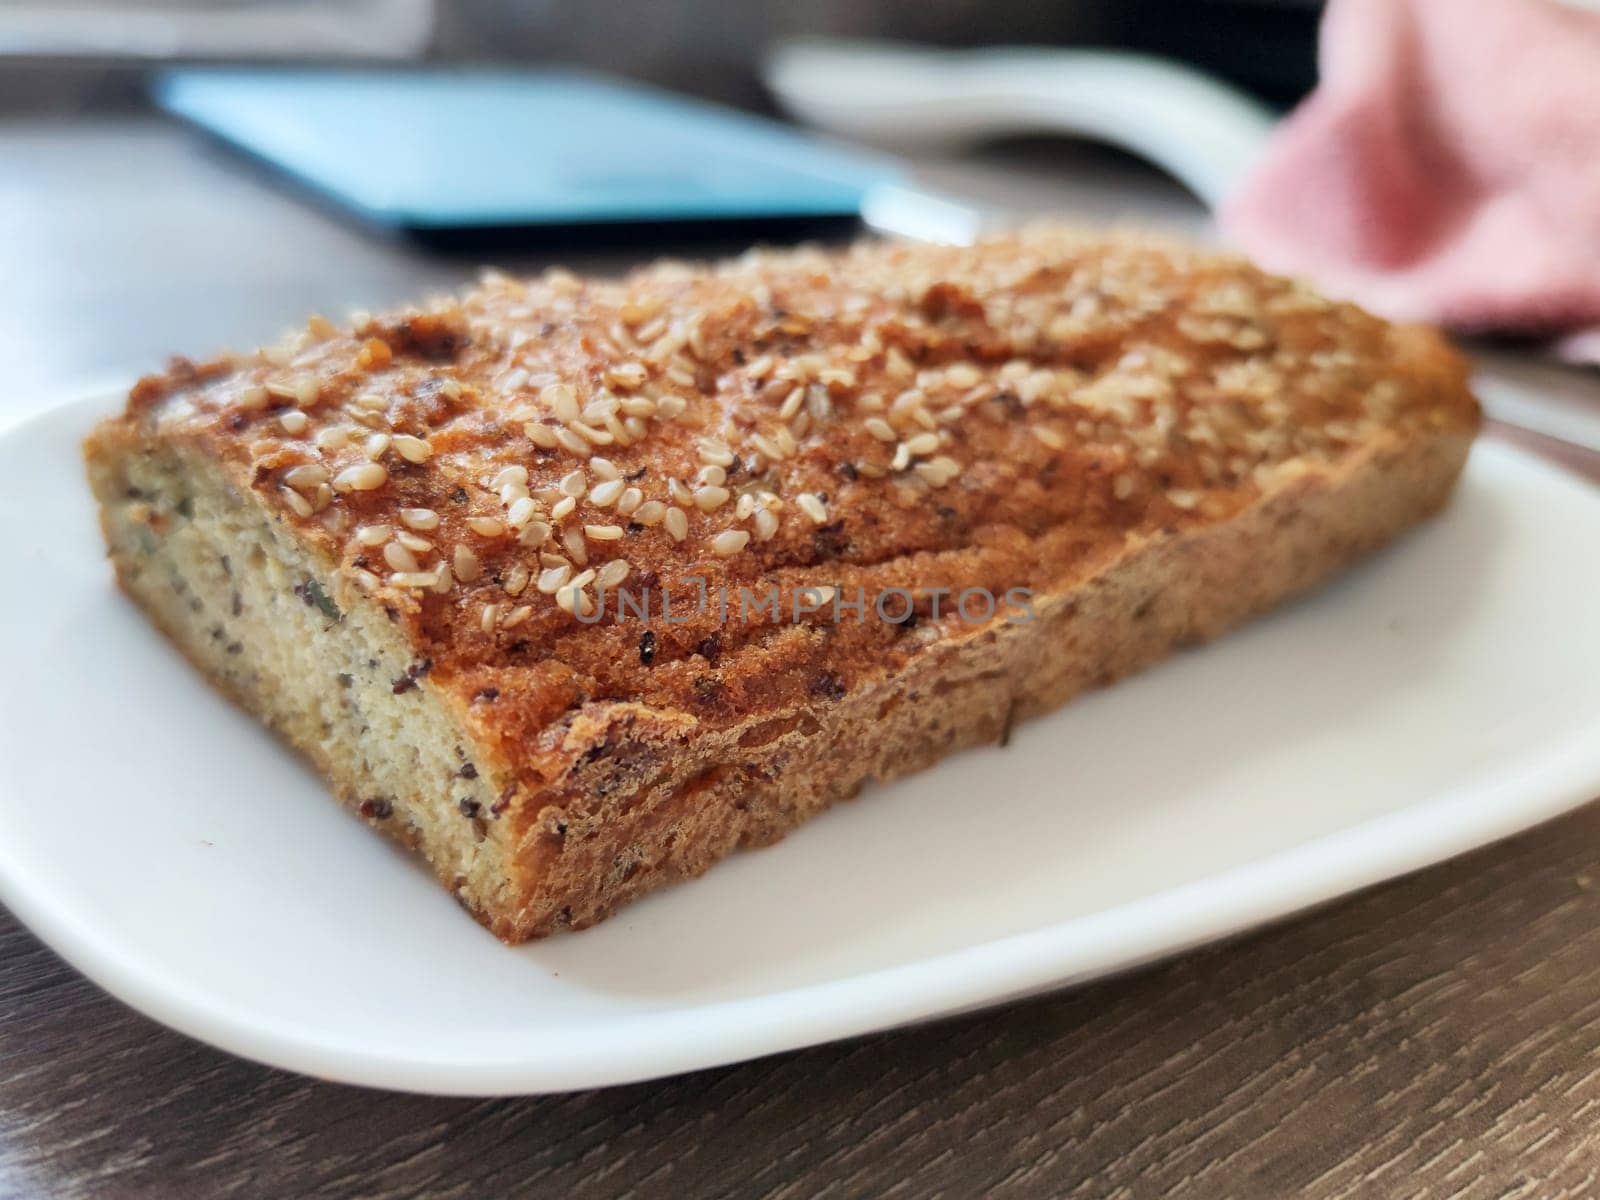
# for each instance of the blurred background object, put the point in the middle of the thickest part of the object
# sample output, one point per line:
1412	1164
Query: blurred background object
165	29
74	55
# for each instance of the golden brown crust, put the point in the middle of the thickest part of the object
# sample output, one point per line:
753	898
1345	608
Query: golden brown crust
1036	412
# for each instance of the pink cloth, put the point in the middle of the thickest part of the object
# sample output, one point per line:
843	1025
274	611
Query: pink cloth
1447	167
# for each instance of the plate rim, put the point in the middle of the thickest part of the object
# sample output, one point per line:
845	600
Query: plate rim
636	1047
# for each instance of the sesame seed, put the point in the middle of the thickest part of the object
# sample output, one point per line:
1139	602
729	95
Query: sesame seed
413	449
612	573
364	477
603	533
604	468
628	375
709	499
373	535
678	492
767	446
650	513
333	437
744	506
489	527
606	494
294	422
791	403
521	512
253	398
629	501
676	522
562	507
298	504
399	558
572	542
714	475
813	507
420	518
880	429
534	534
510	475
541	435
553	579
515	579
638	406
599	437
574	483
716	453
561	400
466	564
487	618
306	478
414	579
766	524
516	616
571	442
729	542
902	457
411	541
923	443
1049	437
583	579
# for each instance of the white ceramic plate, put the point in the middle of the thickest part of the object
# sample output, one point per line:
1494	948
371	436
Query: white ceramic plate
1442	695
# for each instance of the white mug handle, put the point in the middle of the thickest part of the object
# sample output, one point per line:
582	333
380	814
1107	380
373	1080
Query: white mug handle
1201	131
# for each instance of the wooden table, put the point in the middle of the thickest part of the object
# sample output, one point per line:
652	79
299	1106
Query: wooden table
1438	1036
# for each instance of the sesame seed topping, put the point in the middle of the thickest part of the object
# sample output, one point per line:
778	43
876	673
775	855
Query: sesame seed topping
489	527
515	579
563	507
467	566
420	518
553	579
716	453
612	573
364	477
298	504
607	493
294	422
650	513
729	542
813	507
399	558
676	523
306	478
521	512
574	483
412	449
414	579
880	429
603	533
562	401
709	499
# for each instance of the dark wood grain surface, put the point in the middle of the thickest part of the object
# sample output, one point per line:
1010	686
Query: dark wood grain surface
1438	1036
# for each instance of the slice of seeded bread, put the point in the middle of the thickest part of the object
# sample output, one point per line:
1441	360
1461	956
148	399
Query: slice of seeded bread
957	486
